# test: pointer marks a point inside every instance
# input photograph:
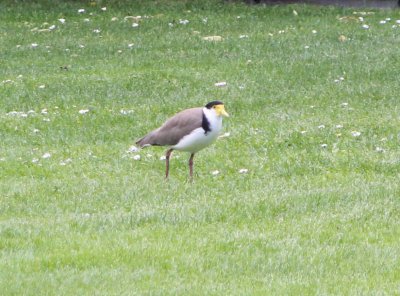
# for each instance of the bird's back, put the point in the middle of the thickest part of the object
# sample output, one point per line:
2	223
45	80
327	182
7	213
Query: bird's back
174	128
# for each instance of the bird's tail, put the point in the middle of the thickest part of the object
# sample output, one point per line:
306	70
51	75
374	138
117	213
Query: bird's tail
147	140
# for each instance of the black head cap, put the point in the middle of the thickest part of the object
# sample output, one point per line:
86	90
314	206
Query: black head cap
213	103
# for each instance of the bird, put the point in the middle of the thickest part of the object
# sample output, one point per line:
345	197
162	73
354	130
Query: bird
190	130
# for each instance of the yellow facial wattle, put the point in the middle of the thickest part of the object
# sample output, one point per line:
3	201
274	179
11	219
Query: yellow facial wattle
220	109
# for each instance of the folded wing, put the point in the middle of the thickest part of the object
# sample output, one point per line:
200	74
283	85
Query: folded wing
174	129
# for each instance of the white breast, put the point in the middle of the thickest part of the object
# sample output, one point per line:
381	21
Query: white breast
198	139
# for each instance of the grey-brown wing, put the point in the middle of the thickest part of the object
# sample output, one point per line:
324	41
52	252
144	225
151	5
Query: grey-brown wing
174	128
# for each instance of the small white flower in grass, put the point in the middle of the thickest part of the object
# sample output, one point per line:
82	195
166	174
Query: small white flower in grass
104	8
2	158
42	86
324	146
81	46
136	157
214	173
125	112
388	19
221	84
205	20
114	19
366	27
225	135
135	25
46	155
53	27
379	149
81	10
83	111
397	21
321	126
306	47
213	38
183	22
243	36
35	131
170	25
44	111
338	126
61	20
360	18
243	171
135	19
65	162
35	160
355	133
133	149
34	45
342	38
46	119
97	31
295	13
314	31
163	157
345	104
382	22
7	81
130	45
303	132
86	20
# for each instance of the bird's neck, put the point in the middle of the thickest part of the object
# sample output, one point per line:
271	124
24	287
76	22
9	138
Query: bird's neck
211	121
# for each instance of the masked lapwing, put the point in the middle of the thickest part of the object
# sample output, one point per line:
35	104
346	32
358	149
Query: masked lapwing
189	130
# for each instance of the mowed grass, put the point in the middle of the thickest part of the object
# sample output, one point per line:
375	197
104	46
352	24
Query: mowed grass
314	121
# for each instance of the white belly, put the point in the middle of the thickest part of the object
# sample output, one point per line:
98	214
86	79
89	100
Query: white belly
197	140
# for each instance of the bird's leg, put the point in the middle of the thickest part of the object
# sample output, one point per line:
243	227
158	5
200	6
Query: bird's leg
191	166
167	156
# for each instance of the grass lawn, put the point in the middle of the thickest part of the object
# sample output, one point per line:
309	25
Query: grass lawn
301	196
